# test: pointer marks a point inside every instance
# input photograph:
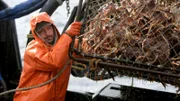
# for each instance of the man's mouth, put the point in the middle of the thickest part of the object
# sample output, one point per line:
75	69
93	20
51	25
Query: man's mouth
49	38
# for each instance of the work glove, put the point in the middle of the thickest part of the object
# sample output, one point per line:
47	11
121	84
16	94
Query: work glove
74	29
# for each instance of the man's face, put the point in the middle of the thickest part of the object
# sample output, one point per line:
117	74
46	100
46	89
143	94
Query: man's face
47	34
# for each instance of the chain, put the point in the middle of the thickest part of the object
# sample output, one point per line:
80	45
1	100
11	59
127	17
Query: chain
67	7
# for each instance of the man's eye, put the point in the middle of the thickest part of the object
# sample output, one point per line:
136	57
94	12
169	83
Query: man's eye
41	31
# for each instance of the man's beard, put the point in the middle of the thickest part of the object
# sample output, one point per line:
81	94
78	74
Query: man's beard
51	42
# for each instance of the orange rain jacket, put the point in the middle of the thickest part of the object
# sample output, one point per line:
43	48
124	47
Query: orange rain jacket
41	63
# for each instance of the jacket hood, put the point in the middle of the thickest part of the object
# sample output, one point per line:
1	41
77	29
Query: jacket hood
43	16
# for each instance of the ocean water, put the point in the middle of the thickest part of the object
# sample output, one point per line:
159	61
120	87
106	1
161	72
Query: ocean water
82	84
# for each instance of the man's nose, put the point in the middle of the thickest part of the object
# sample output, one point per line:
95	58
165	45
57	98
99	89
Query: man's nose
46	31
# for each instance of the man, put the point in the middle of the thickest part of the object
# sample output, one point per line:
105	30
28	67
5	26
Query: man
44	57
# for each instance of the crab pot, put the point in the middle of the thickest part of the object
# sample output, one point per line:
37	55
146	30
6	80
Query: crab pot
136	38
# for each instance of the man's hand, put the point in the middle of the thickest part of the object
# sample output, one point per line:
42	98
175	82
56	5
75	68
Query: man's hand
74	29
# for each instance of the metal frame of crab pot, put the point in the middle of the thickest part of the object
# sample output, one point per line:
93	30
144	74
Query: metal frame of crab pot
129	68
116	92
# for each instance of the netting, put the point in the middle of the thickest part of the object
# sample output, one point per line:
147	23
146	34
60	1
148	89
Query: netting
137	38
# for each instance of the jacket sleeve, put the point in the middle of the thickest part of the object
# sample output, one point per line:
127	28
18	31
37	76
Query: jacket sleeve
56	58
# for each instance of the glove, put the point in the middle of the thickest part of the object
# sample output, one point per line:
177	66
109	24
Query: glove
74	29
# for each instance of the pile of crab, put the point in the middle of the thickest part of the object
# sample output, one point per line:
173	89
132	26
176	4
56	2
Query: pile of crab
144	32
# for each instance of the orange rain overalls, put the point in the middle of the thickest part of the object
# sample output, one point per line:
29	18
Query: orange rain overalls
41	63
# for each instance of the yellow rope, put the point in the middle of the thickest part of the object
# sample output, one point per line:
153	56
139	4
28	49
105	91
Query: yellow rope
79	68
96	62
91	64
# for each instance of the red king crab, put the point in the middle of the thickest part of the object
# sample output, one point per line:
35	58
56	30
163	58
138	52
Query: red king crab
143	31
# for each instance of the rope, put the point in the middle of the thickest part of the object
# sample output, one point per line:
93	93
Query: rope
91	64
83	66
36	86
78	68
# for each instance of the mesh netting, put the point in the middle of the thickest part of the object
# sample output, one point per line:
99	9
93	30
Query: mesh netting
140	37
